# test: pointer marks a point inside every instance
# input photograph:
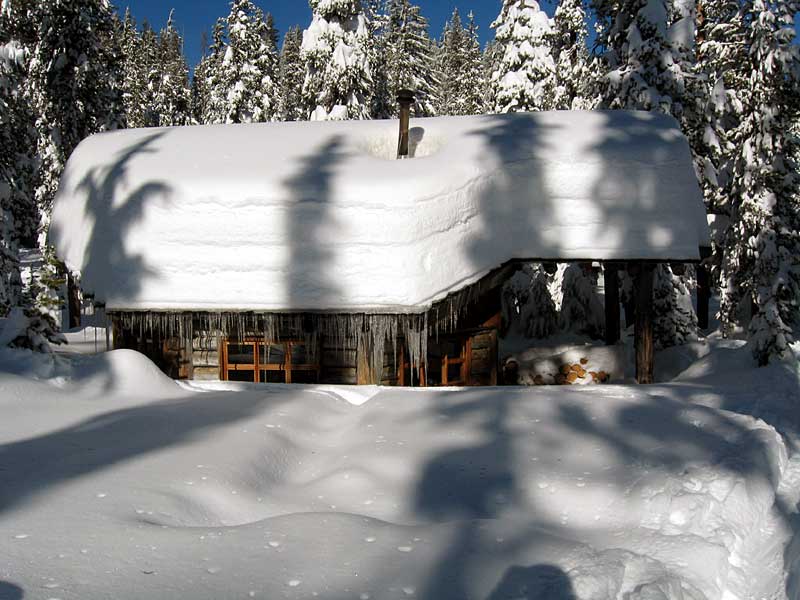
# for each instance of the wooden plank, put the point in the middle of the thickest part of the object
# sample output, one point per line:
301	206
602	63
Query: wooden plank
611	276
643	326
340	376
466	367
336	358
288	362
74	301
223	364
703	296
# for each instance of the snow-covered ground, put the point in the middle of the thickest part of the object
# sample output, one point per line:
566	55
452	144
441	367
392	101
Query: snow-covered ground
116	482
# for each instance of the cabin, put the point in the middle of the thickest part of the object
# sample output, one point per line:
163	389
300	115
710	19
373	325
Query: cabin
324	252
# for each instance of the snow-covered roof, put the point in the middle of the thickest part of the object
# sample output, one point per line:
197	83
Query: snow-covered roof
320	216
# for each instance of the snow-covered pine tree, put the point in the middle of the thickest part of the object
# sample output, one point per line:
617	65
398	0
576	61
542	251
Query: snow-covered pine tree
671	296
172	97
134	82
650	47
74	82
410	55
526	77
243	83
291	76
380	102
12	64
574	72
336	54
461	89
476	93
18	140
645	71
528	307
21	322
581	311
760	262
207	105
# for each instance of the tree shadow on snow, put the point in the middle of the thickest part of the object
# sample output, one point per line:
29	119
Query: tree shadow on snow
9	591
106	253
33	466
469	484
539	582
310	272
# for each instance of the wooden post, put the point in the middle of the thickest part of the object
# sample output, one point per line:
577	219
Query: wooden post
703	288
611	277
119	337
73	301
366	372
405	98
703	295
643	327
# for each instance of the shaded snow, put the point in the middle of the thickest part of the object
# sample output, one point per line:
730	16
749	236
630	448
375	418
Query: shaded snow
117	482
312	216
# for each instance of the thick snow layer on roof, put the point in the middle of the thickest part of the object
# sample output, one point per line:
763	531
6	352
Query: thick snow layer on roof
319	216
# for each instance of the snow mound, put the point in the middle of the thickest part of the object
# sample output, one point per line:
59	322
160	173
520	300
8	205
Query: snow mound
312	216
123	372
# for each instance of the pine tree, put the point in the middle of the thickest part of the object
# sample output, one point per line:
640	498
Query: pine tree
74	82
410	53
172	96
336	55
581	311
574	75
12	63
243	88
650	66
207	104
462	88
672	296
526	77
291	75
527	304
22	324
760	262
381	101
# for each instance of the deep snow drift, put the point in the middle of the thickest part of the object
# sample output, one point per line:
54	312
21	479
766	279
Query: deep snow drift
116	482
319	216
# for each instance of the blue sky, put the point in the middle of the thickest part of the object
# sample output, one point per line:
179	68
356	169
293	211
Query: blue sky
193	16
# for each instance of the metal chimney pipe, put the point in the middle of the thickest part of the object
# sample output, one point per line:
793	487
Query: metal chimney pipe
405	98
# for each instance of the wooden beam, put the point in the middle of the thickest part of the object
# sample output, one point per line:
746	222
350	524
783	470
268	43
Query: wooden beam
73	301
611	277
703	295
643	327
119	334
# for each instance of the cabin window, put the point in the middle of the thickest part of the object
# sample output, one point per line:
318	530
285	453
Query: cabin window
447	362
261	361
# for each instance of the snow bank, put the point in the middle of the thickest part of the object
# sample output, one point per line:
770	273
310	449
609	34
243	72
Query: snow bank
293	216
594	493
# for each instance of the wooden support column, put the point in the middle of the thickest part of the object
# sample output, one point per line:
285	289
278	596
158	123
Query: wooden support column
611	277
703	288
73	301
703	295
643	326
366	372
118	334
